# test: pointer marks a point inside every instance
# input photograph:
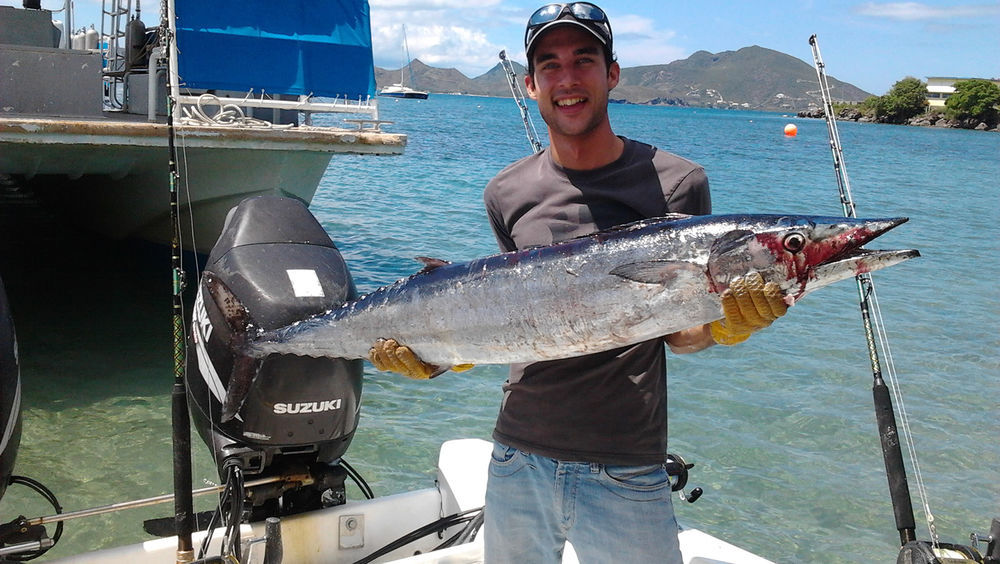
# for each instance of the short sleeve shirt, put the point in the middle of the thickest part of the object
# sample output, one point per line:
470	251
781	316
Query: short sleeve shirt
608	407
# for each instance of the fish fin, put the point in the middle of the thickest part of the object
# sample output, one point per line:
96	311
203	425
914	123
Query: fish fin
245	365
730	241
432	263
655	272
236	314
244	372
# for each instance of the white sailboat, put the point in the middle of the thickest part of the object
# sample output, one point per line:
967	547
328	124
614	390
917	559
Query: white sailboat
400	90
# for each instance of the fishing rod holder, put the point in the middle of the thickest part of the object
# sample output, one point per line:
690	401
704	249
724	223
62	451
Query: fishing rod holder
992	542
20	537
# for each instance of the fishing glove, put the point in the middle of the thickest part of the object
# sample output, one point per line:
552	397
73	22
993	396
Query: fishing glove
749	305
389	356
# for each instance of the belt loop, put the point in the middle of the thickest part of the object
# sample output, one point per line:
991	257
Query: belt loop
595	468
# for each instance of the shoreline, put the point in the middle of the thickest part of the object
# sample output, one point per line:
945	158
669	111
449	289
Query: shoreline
930	119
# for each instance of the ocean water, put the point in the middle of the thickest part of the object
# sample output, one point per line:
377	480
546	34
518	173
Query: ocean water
781	428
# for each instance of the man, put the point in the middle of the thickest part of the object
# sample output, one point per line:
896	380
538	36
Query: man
580	443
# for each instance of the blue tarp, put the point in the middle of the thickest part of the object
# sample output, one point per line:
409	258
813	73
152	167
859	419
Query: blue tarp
319	47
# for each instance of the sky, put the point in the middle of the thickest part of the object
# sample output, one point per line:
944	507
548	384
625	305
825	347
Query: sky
869	44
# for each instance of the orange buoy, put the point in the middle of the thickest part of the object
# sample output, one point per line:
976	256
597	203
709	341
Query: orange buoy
791	130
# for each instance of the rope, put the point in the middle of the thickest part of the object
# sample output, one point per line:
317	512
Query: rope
228	115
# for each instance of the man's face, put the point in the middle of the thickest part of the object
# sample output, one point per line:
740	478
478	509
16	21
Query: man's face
571	81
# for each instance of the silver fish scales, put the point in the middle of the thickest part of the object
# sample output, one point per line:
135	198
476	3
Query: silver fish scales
594	293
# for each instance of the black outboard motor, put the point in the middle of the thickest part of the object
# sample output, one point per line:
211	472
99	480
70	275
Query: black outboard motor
285	415
10	393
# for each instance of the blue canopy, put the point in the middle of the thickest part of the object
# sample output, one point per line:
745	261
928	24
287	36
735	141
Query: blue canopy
319	47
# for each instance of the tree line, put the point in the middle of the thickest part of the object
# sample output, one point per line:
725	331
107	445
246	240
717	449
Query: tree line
973	100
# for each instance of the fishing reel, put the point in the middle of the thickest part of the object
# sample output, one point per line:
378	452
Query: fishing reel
678	468
926	552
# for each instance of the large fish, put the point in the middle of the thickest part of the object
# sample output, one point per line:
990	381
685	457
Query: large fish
594	293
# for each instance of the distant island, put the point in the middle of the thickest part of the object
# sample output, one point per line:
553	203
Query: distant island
752	78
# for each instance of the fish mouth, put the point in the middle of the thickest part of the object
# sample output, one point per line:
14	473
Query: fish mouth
854	260
862	261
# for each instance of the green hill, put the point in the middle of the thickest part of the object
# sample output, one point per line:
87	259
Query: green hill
752	78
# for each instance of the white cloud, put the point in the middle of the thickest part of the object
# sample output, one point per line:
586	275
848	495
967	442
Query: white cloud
916	11
443	33
468	50
639	42
420	5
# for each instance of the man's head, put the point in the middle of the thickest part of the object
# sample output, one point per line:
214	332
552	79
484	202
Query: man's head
581	14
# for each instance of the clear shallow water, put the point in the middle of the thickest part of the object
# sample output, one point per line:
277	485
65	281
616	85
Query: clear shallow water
781	428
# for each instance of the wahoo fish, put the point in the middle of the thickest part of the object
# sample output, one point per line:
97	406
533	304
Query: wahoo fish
589	294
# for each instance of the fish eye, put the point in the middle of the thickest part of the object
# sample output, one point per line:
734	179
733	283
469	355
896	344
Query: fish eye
794	242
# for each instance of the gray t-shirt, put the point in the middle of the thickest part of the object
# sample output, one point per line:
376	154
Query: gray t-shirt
607	407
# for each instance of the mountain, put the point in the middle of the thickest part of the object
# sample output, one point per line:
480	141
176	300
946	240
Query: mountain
752	78
452	81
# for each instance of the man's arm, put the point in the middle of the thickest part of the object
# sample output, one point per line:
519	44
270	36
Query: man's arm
690	340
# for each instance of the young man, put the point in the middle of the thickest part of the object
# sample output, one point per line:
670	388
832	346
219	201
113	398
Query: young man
580	443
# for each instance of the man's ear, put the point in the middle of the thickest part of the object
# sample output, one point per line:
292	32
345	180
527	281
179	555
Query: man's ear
614	73
529	85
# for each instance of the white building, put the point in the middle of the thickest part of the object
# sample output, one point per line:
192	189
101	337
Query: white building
939	88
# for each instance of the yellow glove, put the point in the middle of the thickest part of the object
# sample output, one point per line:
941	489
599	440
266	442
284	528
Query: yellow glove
749	305
389	356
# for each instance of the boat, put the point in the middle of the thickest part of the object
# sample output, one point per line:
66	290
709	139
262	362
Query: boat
83	117
400	90
80	125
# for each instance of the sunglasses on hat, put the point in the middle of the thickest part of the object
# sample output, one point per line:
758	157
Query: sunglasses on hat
587	14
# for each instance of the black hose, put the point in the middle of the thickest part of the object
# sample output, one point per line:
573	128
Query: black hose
417	534
45	492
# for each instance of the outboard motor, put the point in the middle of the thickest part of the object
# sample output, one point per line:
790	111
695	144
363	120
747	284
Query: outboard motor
10	394
287	415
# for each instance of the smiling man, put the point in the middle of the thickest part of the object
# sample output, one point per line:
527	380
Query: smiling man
580	443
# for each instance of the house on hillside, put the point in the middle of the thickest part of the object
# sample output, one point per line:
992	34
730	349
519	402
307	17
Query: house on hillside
939	88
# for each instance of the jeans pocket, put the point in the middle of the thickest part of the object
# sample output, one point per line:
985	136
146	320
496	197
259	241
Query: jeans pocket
639	483
506	460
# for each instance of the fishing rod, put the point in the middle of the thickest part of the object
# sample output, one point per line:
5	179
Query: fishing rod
184	521
885	417
515	91
912	551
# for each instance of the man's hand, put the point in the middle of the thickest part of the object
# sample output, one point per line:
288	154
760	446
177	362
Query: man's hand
750	305
389	356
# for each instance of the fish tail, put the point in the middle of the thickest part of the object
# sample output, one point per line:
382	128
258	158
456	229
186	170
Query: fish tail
243	333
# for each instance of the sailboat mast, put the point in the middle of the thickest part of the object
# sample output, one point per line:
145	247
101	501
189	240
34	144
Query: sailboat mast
409	66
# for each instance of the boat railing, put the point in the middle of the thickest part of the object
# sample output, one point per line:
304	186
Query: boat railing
114	20
231	109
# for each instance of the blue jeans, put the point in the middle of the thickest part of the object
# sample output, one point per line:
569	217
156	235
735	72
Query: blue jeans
609	513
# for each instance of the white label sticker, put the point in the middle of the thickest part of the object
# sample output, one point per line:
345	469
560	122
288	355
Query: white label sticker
305	283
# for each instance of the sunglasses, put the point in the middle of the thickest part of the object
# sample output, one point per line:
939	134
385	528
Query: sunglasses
581	11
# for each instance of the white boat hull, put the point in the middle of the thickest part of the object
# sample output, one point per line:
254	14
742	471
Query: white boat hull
113	174
352	531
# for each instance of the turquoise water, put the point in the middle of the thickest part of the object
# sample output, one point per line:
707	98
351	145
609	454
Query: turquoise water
781	428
